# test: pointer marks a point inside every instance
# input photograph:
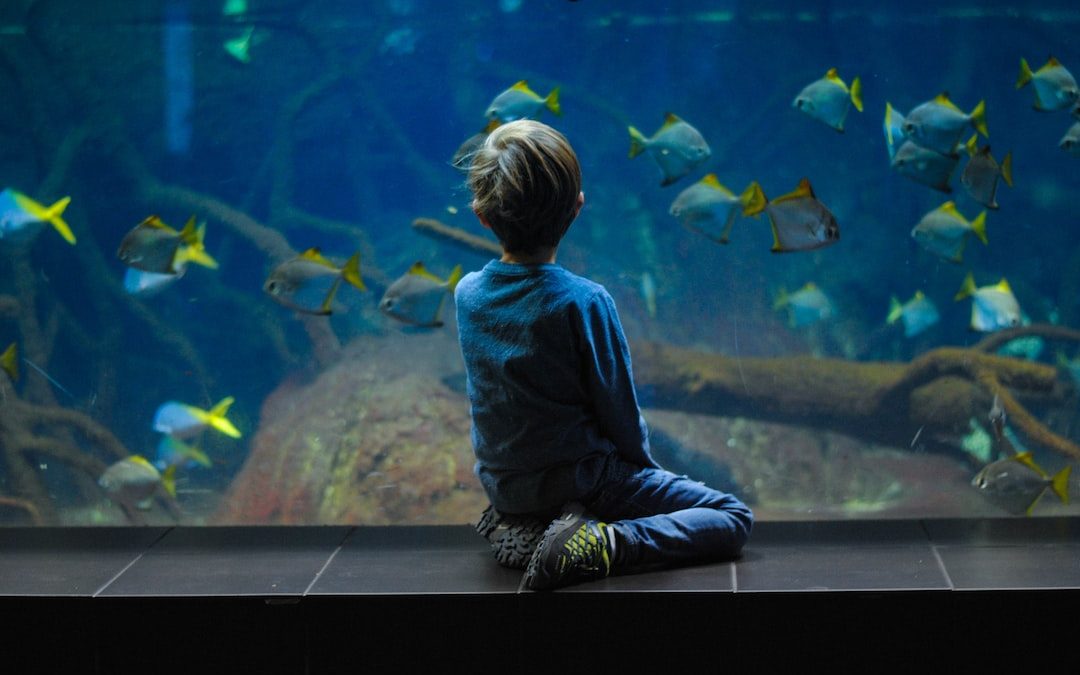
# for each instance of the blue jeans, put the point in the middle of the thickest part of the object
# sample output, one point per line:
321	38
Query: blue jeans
664	519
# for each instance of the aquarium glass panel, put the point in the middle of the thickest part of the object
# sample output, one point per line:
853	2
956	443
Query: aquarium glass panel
841	239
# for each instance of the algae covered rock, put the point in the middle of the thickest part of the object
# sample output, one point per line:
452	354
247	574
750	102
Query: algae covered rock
379	438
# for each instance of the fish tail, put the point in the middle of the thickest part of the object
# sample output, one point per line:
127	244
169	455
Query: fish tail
351	272
454	278
1006	169
9	361
895	310
978	119
552	101
195	254
781	299
215	417
967	288
53	213
972	145
1025	73
168	480
978	226
856	94
638	142
1060	484
196	454
753	199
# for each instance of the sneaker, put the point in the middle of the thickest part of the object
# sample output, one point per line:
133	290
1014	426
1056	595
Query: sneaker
574	548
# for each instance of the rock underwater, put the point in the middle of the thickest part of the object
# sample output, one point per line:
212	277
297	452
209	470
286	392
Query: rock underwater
377	438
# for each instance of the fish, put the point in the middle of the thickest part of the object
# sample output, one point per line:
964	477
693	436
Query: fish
1070	142
234	8
146	284
710	208
996	417
925	166
828	100
648	293
21	218
938	124
894	130
799	221
519	102
1055	87
308	282
239	47
806	306
172	451
417	297
677	147
9	361
982	172
992	307
153	246
187	421
944	231
917	314
462	159
133	480
1017	483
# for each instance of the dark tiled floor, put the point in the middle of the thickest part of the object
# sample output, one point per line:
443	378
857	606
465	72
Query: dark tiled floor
928	555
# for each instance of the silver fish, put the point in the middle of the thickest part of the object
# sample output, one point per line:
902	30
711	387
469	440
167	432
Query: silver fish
133	480
519	102
925	166
677	147
944	231
1055	87
938	124
799	221
894	130
992	307
710	208
917	314
828	99
153	246
308	282
417	297
1017	483
806	306
1070	142
982	173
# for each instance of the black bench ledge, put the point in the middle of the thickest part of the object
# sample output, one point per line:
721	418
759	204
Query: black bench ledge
314	599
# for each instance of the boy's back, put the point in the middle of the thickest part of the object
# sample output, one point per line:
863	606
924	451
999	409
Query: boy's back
548	380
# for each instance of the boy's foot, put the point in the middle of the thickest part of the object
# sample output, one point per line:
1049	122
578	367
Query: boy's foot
574	548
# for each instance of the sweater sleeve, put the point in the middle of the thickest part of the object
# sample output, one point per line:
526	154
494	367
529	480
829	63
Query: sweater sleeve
610	383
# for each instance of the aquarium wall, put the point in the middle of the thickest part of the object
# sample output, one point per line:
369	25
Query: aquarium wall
841	238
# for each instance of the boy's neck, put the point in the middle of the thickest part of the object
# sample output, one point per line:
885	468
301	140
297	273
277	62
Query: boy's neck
544	255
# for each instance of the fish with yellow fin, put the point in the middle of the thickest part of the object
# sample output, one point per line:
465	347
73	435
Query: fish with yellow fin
800	222
133	481
982	173
829	99
710	208
171	451
21	218
153	246
9	361
181	420
944	231
308	282
917	314
519	102
938	124
677	148
894	130
1055	87
806	306
1017	483
926	166
992	307
418	296
1070	142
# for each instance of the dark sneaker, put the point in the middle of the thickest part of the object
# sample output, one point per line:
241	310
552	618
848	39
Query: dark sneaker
574	548
513	538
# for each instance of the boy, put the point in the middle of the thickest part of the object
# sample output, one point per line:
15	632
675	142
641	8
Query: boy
556	425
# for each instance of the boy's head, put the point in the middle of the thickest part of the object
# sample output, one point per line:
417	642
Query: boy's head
526	185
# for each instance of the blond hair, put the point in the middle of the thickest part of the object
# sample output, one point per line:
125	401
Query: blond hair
525	181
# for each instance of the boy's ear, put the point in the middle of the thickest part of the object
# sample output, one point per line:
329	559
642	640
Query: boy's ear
482	219
580	203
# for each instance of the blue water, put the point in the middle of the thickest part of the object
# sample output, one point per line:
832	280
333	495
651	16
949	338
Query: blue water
409	81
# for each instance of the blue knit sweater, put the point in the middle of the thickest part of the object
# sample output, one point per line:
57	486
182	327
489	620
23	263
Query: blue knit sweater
549	382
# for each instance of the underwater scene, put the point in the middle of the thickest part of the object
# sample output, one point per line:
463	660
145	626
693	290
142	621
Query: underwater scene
842	237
